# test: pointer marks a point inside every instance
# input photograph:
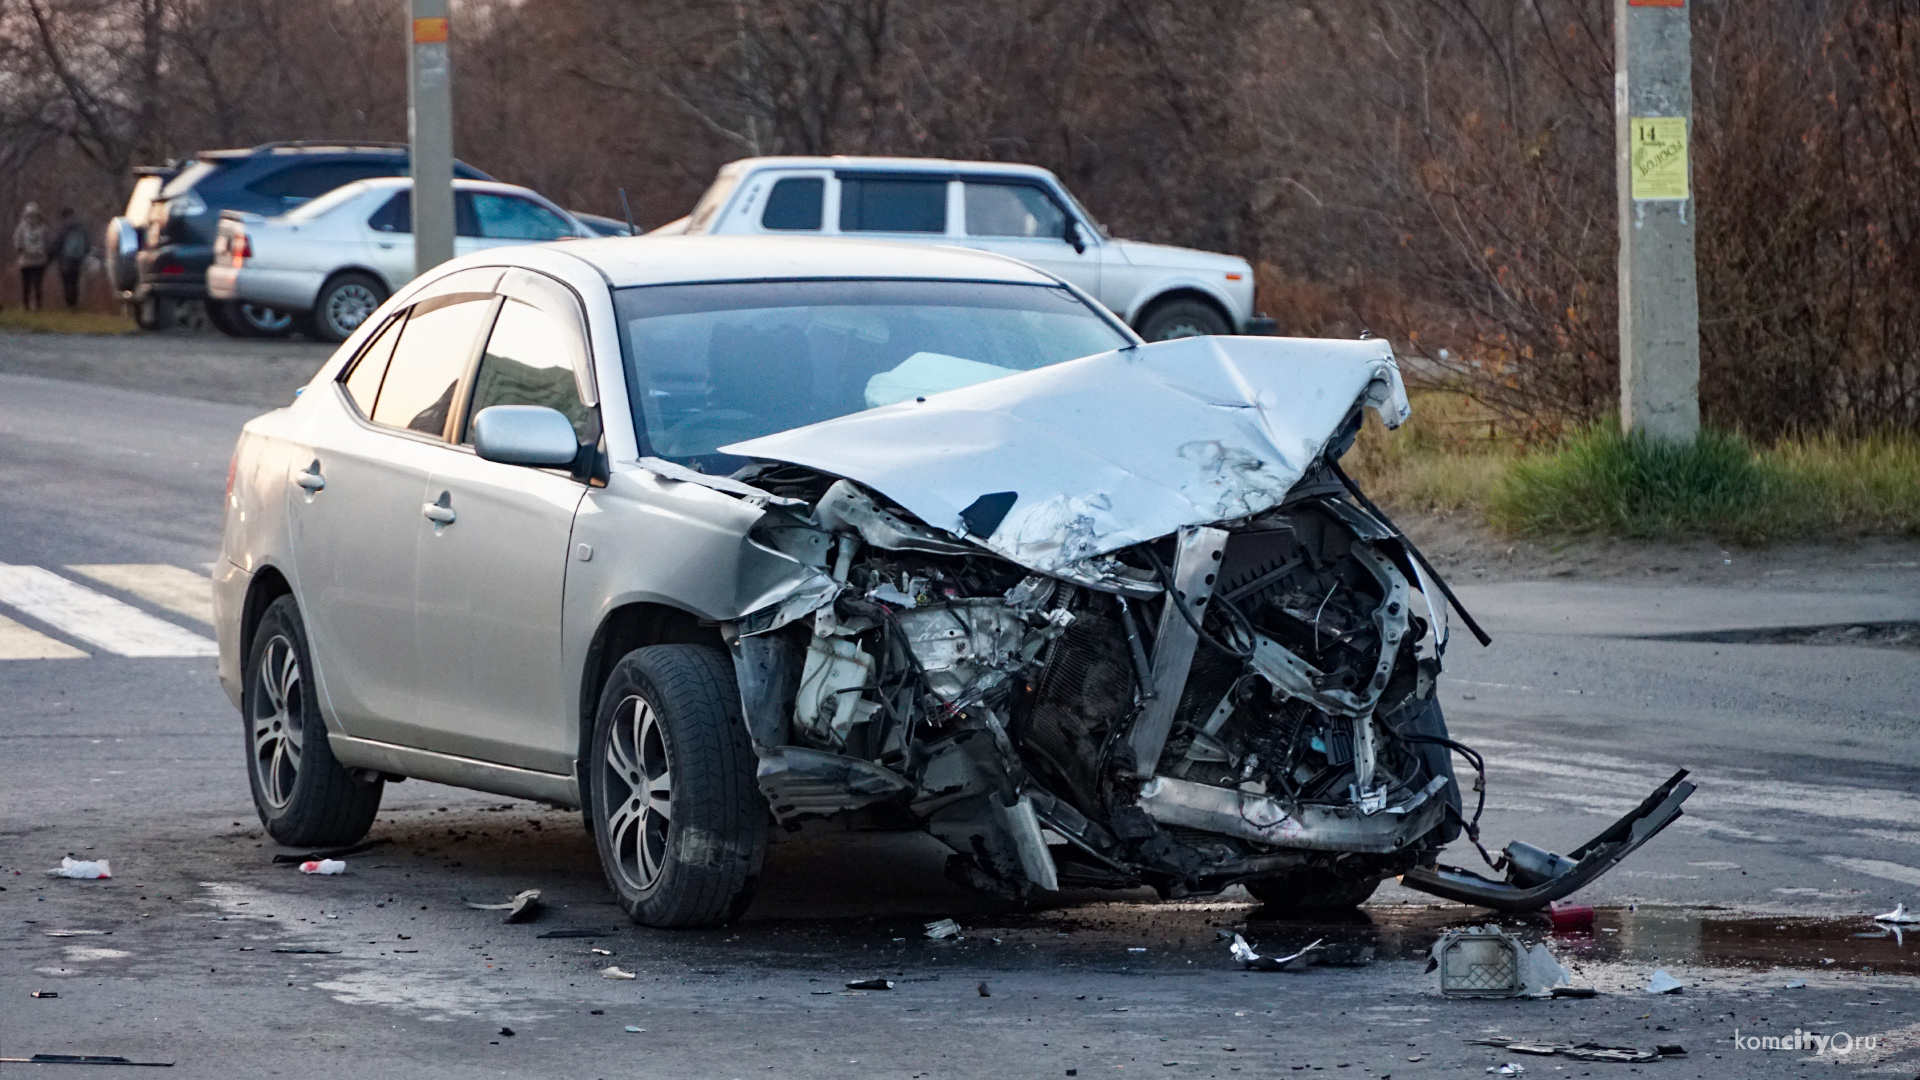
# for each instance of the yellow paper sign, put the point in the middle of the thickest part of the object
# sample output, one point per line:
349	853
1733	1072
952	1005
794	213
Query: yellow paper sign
1659	157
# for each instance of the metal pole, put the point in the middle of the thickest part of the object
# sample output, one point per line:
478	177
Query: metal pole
430	128
1659	301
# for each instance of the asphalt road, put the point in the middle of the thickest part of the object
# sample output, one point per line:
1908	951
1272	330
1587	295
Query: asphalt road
1807	819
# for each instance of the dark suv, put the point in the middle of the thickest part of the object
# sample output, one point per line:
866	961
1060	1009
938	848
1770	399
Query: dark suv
167	278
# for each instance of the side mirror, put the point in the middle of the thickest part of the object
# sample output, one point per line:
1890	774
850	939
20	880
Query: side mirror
525	435
1071	234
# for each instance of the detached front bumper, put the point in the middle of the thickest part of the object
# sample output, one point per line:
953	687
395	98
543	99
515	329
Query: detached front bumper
1536	878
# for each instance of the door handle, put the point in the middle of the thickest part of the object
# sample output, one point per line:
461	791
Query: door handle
440	513
311	480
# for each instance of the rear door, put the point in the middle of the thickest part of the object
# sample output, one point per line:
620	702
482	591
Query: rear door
1025	221
490	582
389	236
357	496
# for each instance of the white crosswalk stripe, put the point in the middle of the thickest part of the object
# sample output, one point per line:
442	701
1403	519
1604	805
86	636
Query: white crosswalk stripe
181	591
24	643
95	618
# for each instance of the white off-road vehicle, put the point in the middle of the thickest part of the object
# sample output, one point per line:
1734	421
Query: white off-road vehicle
1017	210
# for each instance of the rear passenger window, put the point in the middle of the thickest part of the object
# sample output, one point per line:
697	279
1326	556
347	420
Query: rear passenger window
794	203
395	216
363	379
306	181
435	346
509	217
893	206
528	363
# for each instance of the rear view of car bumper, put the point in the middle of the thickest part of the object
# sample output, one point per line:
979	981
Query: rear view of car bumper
288	289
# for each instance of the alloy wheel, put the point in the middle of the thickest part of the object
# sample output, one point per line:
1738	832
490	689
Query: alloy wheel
348	306
279	721
636	792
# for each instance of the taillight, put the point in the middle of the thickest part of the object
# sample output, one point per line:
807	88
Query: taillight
239	247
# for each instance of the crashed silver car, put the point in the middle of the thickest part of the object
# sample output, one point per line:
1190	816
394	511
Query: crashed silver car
701	535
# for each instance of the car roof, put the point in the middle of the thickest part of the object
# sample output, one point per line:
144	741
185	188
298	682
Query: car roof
460	183
892	164
679	260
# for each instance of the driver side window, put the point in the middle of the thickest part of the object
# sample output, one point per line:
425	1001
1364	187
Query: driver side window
527	363
1013	210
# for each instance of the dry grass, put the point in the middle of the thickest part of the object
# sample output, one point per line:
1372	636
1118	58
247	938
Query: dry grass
1453	457
64	322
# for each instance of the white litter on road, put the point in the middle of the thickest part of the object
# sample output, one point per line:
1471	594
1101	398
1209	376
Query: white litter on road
81	869
1899	915
323	866
614	972
1663	983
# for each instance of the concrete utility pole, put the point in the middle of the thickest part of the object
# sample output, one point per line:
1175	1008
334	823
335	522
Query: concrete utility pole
430	128
1659	300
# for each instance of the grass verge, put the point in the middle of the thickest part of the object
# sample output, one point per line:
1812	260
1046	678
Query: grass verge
1598	482
65	322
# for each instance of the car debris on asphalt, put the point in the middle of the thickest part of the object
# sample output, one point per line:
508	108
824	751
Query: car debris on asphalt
614	971
1508	1069
1584	1051
1796	984
1899	916
522	907
83	1059
579	932
1663	983
82	869
76	933
870	984
323	866
1253	961
46	993
1487	962
943	928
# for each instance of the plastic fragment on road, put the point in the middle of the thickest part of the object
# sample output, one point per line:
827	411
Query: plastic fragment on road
1663	983
613	971
634	1029
1509	1069
870	984
82	869
83	1059
323	866
1575	992
523	906
1899	916
507	1031
1583	1051
984	992
76	933
46	993
1486	961
1567	915
943	928
1253	961
1796	984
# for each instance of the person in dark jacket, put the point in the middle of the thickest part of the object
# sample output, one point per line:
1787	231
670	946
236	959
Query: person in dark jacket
70	248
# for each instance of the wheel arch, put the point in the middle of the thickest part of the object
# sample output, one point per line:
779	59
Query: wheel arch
624	629
1177	293
268	585
339	272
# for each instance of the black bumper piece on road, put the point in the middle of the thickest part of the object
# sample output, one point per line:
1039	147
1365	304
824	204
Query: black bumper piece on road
1529	891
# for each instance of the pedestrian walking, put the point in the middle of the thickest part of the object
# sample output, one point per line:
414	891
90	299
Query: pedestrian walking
31	247
70	249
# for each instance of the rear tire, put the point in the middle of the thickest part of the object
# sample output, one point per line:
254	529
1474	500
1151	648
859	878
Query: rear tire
1183	318
1311	892
304	796
243	320
676	816
345	301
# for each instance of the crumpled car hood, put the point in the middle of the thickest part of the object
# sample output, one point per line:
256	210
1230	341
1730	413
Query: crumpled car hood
1109	450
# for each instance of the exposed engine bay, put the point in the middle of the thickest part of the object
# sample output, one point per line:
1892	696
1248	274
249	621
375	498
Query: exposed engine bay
1242	700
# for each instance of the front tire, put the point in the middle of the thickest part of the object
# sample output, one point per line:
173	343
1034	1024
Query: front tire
304	796
1311	893
344	303
1183	318
677	818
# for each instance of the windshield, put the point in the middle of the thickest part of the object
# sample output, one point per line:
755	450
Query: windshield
718	363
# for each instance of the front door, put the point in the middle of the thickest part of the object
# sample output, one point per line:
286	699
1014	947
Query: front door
360	510
491	579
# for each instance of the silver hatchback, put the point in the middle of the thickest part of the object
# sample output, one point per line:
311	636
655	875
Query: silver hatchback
700	535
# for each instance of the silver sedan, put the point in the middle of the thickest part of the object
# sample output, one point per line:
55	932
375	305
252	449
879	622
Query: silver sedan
701	534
